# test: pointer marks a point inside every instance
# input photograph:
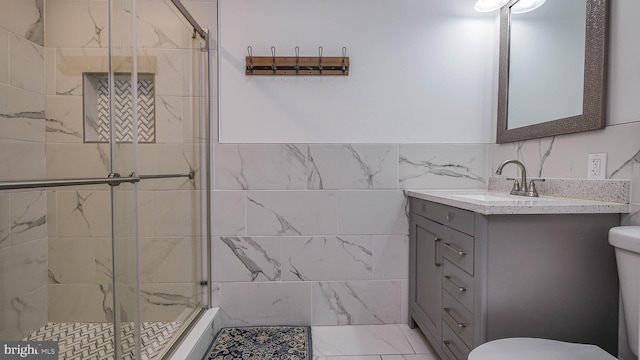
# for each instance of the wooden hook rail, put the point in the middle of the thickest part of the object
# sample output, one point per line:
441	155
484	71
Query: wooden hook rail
297	65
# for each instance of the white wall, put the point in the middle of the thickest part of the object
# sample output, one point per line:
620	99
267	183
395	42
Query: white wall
421	72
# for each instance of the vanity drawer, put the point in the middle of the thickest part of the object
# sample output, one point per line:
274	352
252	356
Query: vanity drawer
458	284
453	346
457	247
459	319
461	220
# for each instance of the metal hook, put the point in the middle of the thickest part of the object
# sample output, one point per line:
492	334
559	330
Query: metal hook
320	61
273	54
250	51
344	55
297	58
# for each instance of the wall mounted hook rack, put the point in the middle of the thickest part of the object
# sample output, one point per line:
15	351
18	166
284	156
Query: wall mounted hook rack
297	65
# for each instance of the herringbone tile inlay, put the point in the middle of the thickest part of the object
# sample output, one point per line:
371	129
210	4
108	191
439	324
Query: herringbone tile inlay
123	124
94	341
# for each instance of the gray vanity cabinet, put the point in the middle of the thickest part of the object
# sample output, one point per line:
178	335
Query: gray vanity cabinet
427	298
475	278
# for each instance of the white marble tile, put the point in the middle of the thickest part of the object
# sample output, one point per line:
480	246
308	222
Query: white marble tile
84	213
372	212
291	212
80	303
78	161
171	260
103	259
327	258
5	220
404	316
171	114
24	18
353	166
28	216
168	159
167	301
23	268
26	64
566	156
229	213
417	340
171	68
215	295
390	257
159	26
176	213
502	152
266	303
246	259
21	115
260	167
21	160
436	166
411	357
23	315
68	65
64	119
633	218
4	57
356	357
356	303
359	340
85	24
72	261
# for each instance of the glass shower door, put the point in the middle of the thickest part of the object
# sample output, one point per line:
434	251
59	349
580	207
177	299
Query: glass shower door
123	146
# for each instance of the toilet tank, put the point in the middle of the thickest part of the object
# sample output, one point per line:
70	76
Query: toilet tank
626	240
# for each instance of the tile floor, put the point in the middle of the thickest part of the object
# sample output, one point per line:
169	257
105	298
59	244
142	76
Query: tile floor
370	342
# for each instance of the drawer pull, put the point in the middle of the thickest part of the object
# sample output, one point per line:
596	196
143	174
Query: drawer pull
460	288
459	252
447	343
460	325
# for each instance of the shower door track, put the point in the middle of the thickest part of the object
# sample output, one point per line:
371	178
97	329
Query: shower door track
112	179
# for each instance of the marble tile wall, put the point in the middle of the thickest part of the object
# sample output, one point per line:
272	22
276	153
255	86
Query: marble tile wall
23	214
318	233
80	261
565	156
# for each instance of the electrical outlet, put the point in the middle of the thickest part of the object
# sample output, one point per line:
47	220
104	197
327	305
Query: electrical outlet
597	167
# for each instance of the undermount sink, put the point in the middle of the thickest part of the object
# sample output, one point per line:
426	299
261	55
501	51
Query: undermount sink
501	197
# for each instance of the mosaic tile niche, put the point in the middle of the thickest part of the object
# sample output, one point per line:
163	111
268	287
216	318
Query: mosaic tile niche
96	108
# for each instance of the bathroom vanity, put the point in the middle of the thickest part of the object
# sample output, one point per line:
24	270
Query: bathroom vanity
485	266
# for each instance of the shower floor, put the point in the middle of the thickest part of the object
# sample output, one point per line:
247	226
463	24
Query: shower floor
95	340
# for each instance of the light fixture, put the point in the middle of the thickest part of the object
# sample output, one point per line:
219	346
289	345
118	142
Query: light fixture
489	5
524	6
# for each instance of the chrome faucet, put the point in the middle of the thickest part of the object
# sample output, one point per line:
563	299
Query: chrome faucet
520	188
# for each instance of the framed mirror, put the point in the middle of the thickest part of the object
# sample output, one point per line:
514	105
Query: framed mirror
552	70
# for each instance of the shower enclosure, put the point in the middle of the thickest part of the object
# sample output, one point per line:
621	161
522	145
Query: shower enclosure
104	123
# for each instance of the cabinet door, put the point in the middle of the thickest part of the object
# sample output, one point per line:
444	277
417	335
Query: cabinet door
426	275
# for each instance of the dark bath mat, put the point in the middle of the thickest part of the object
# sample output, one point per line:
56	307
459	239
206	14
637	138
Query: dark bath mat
262	343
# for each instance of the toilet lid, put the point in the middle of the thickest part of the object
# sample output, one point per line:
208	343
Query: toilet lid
536	349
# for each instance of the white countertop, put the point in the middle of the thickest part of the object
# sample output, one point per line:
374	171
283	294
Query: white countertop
493	203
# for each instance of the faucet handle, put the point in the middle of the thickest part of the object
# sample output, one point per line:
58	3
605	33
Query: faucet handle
516	185
532	187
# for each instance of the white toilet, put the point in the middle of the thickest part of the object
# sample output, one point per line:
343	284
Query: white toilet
626	240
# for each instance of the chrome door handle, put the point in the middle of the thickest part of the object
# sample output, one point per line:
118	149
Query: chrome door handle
460	288
447	343
459	252
435	251
461	325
